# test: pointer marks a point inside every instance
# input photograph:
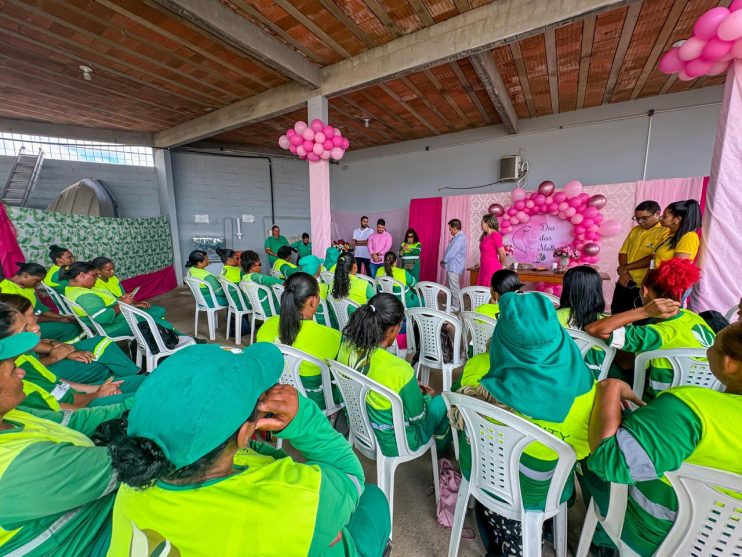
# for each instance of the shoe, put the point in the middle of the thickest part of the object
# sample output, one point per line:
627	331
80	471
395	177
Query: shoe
200	340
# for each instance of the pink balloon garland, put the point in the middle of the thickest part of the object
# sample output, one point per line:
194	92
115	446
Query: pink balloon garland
715	43
315	141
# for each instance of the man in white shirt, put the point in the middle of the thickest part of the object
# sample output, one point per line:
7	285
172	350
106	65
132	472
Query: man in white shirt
360	241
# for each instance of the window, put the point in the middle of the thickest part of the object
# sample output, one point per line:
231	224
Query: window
76	150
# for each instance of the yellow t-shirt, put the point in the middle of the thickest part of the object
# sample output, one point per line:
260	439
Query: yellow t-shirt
687	244
639	244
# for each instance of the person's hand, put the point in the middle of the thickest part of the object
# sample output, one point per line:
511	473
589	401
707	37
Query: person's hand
624	279
61	351
66	319
279	404
620	390
662	308
127	299
426	389
109	388
143	305
78	356
443	264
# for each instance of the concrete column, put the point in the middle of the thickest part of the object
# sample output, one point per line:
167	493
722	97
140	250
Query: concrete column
721	242
166	196
319	186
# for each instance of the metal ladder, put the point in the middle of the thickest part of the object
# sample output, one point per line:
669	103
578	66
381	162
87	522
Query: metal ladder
23	177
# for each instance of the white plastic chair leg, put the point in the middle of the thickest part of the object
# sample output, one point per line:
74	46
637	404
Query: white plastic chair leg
210	317
462	501
139	359
424	374
532	533
436	477
560	531
229	323
252	329
447	377
588	530
237	329
385	469
195	323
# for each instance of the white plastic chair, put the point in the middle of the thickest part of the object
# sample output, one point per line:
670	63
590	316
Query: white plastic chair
390	285
327	277
689	366
478	329
275	273
79	312
235	301
278	291
708	522
253	292
730	315
211	313
340	309
586	343
430	322
498	439
58	300
131	314
553	299
354	386
428	293
476	295
367	278
292	360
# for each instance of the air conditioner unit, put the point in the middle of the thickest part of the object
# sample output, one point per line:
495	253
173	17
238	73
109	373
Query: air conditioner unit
510	168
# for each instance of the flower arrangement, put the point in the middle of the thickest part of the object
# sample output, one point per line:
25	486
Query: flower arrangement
342	245
568	252
508	249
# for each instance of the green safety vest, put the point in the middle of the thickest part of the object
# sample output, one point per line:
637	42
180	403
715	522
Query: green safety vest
7	286
279	264
397	273
74	292
113	285
52	277
200	274
51	399
231	273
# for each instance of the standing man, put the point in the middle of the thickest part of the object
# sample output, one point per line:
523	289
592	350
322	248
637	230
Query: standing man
635	255
360	245
454	260
273	243
302	247
379	243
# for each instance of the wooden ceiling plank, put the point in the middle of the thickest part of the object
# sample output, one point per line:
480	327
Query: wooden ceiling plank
470	92
353	121
380	13
671	79
313	27
586	50
523	77
424	99
351	25
422	12
401	124
409	108
551	63
244	35
673	17
441	91
627	32
498	93
462	5
377	118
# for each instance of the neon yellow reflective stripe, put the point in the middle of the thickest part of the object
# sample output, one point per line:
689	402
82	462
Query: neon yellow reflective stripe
231	273
50	274
101	347
74	292
51	402
34	362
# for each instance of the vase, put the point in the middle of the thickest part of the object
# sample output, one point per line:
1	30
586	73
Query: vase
564	262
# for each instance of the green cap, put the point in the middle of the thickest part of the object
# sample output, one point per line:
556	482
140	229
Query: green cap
310	264
331	256
201	395
15	345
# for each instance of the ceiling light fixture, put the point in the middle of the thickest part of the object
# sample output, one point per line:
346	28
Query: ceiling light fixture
366	122
678	43
87	72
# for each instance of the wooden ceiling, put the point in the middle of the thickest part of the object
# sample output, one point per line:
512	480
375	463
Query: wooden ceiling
153	69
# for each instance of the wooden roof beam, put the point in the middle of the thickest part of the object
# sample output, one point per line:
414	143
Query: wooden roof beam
220	21
490	77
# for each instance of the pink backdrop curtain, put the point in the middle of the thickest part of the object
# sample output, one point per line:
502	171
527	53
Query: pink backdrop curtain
667	191
345	222
425	218
10	251
454	207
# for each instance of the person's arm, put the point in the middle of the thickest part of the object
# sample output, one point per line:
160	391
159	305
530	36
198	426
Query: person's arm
687	247
502	256
53	354
638	264
97	310
84	420
214	282
267	247
660	308
608	407
265	280
410	279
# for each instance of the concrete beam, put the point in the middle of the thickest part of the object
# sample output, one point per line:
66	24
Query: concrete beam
220	21
166	197
30	127
490	77
227	147
475	31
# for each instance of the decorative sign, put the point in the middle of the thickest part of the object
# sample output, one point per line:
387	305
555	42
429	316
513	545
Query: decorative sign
536	240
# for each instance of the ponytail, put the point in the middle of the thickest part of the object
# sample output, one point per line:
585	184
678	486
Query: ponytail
298	288
33	269
341	282
390	259
689	212
55	252
370	322
77	268
195	257
248	259
225	254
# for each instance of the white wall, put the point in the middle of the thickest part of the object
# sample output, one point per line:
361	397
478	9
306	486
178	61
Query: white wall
573	145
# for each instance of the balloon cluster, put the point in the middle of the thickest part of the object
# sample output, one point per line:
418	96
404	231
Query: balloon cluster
314	142
716	41
571	204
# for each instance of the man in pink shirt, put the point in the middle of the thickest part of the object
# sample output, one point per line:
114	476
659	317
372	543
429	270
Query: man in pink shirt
379	243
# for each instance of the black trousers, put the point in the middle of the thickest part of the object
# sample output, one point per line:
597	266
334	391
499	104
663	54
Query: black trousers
364	263
625	298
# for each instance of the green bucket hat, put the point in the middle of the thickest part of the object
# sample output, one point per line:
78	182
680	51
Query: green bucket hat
535	366
331	257
200	396
14	345
310	264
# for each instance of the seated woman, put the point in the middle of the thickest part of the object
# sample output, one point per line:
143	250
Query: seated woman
403	276
371	330
283	264
61	257
251	265
220	493
197	262
53	325
347	285
670	326
53	479
100	305
410	251
296	328
683	424
312	265
231	270
44	389
580	304
537	372
107	280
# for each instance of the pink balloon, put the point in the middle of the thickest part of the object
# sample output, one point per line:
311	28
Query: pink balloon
346	144
670	62
549	199
553	208
735	5
707	25
731	28
584	197
313	157
593	227
586	222
539	199
560	196
337	141
317	149
719	67
513	220
325	155
496	209
591	249
598	218
691	49
591	235
682	76
543	208
290	133
573	188
319	137
284	142
300	126
530	204
546	188
308	134
736	51
338	132
524	218
574	202
519	215
308	145
610	228
563	206
517	194
549	290
570	212
296	140
520	205
317	125
715	49
512	211
598	201
337	153
329	132
301	151
328	145
577	219
292	148
697	68
590	212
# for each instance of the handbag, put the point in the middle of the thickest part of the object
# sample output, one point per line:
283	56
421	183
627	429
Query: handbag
169	337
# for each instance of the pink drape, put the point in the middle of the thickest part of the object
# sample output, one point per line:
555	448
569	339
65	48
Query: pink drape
425	218
152	284
10	251
454	207
669	190
345	222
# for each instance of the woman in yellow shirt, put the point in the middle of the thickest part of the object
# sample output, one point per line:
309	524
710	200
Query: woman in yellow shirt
683	219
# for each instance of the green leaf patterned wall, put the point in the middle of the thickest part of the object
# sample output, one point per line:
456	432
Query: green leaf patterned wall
137	246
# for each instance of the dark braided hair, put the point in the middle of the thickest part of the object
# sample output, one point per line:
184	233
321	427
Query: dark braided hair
370	322
390	260
343	270
298	288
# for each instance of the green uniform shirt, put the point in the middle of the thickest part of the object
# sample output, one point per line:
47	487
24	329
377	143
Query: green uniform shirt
301	248
273	244
210	278
231	273
113	285
52	279
405	278
265	281
490	310
285	268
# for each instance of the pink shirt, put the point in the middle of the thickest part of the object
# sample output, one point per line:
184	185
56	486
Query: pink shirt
380	243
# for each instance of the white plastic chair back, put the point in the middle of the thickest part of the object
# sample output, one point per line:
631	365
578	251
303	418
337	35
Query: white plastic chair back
253	290
58	300
278	291
327	277
99	330
730	315
292	360
475	295
428	292
478	330
235	303
367	278
498	439
586	343
199	297
275	273
340	309
430	323
83	325
390	285
553	299
689	366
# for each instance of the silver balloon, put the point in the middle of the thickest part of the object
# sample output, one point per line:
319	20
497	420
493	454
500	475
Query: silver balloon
598	201
496	209
591	249
546	188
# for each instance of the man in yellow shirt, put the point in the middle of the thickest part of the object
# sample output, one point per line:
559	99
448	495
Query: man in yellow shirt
633	264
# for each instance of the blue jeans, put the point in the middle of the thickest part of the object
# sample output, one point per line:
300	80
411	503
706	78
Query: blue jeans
374	268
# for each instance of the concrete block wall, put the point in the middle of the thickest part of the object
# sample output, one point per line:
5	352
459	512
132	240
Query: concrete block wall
134	187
